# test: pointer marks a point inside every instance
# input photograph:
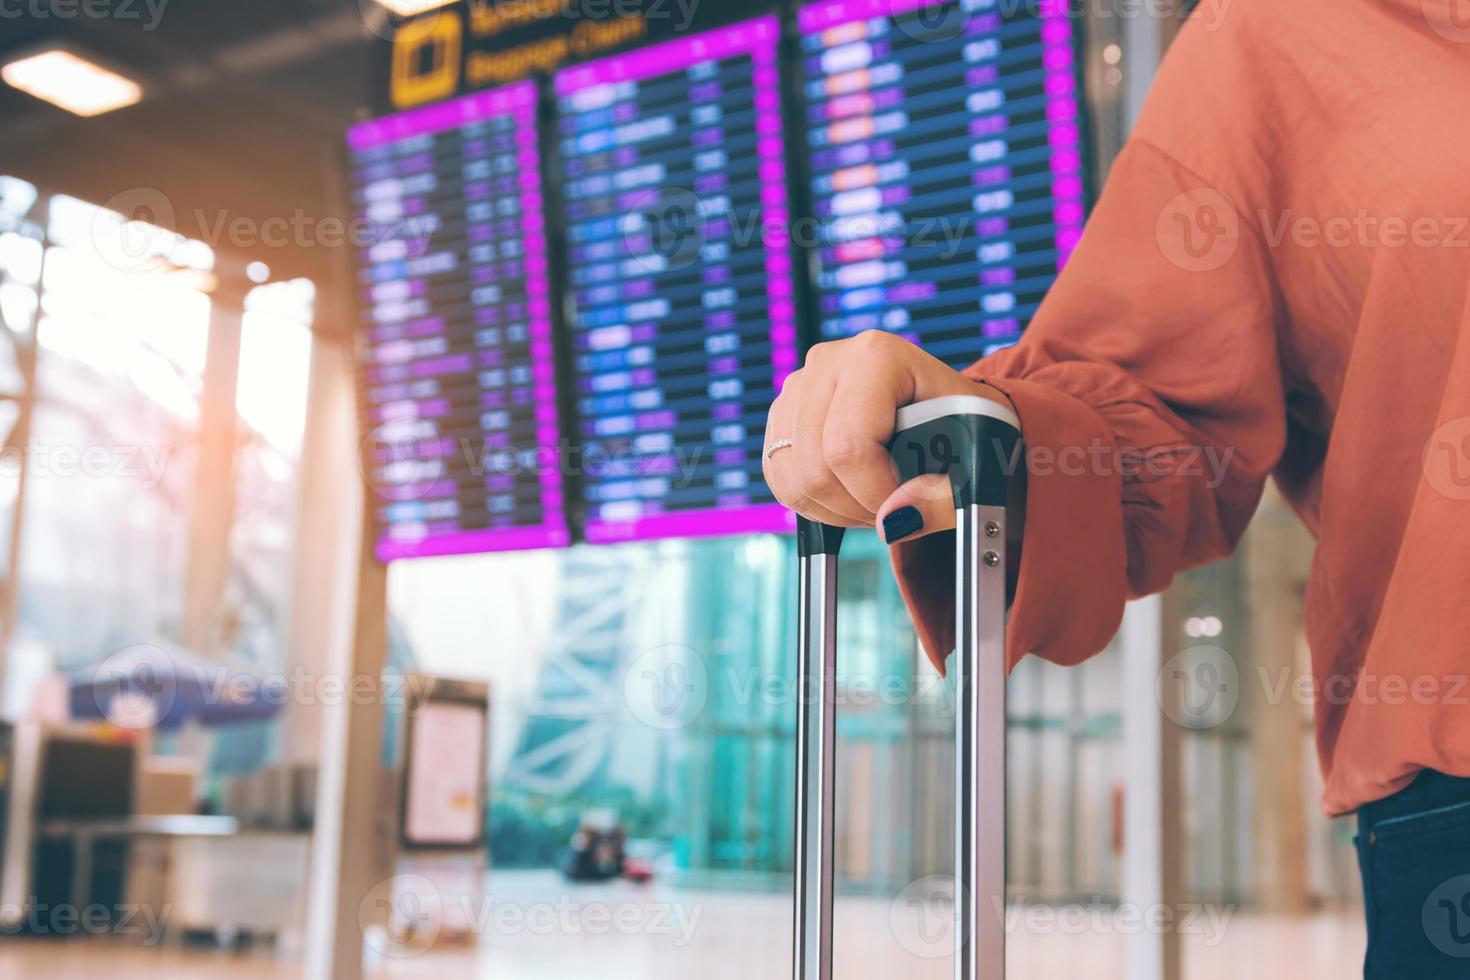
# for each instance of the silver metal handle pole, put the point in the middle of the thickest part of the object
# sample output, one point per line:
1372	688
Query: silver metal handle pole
816	736
975	441
969	438
980	755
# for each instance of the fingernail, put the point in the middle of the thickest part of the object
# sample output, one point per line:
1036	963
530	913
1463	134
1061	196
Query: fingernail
901	523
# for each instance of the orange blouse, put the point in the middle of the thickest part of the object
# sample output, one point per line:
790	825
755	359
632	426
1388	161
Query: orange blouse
1275	280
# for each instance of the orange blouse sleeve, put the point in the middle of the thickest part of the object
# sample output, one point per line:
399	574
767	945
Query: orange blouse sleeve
1151	402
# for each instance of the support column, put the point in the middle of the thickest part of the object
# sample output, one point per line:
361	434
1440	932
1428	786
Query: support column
1277	555
1153	839
350	844
214	475
327	540
21	339
1152	834
1143	48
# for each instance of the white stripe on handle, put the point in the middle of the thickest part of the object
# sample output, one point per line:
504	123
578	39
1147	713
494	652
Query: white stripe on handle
815	766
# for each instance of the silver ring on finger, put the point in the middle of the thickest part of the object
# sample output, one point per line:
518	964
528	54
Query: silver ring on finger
776	446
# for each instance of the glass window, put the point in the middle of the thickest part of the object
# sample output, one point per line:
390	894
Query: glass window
110	460
657	681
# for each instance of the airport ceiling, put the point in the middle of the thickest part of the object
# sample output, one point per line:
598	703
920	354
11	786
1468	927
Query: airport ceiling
240	125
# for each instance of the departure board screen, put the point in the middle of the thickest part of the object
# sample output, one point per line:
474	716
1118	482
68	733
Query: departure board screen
946	166
682	315
457	367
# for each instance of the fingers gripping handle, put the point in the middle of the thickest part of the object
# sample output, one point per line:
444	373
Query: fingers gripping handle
976	442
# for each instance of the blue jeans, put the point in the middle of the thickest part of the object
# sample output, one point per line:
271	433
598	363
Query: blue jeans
1414	852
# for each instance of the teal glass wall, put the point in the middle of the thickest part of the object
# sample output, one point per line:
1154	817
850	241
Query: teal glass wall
657	682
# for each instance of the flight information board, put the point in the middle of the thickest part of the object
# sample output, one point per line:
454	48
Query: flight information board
946	166
682	315
457	367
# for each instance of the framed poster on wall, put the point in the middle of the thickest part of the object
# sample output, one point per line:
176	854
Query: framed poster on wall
445	756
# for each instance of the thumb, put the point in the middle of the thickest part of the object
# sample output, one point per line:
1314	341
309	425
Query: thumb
923	505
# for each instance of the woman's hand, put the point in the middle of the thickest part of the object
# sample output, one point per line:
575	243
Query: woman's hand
838	412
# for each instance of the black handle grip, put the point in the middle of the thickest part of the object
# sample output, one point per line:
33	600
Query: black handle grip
978	452
816	538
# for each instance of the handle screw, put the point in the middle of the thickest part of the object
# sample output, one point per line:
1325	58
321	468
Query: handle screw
992	529
991	559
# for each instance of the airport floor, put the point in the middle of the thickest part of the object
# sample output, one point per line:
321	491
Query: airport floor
545	931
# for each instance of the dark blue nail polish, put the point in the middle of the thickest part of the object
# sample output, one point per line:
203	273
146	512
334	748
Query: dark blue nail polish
901	523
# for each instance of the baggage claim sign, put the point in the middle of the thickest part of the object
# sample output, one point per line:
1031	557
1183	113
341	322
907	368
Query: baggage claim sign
475	44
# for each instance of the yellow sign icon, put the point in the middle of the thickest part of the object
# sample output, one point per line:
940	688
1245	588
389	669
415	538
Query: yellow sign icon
426	59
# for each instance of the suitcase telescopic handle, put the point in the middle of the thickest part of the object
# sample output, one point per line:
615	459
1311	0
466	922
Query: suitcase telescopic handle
976	442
